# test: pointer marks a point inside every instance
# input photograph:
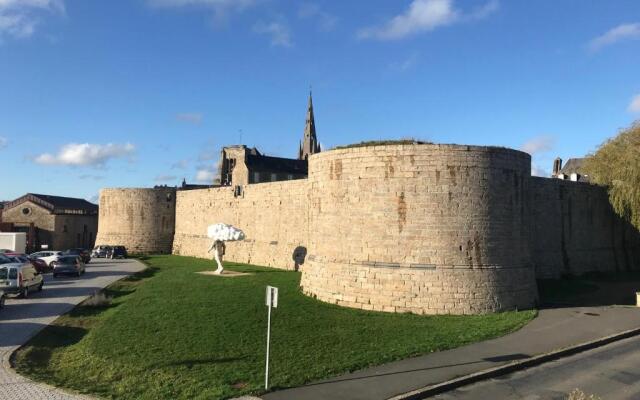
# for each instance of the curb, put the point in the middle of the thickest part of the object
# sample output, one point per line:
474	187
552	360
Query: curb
432	390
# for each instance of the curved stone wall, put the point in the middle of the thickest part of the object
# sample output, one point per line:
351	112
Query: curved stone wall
142	220
428	229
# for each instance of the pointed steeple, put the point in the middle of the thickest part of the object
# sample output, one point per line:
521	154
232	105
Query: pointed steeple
310	143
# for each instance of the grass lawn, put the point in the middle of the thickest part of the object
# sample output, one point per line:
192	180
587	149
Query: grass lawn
172	334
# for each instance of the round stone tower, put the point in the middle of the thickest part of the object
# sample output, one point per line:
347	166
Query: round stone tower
142	220
424	228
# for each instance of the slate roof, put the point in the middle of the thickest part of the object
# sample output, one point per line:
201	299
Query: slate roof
276	164
57	204
574	166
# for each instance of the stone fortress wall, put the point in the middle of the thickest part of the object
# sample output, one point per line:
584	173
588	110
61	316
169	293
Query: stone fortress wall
575	230
434	229
142	220
429	229
274	217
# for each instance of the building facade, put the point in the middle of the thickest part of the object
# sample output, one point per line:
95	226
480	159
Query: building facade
241	165
52	222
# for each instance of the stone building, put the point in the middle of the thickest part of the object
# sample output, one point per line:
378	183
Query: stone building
241	165
572	170
52	222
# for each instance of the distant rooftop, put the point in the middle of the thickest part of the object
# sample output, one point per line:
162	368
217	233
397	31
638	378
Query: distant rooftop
56	204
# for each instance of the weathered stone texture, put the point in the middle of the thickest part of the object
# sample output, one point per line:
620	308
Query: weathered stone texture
429	229
574	230
272	215
422	228
142	220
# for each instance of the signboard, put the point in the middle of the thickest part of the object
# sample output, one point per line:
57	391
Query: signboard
272	297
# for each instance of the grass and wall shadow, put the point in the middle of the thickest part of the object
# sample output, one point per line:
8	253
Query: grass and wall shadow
590	290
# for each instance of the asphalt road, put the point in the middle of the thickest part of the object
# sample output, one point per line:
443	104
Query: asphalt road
611	372
23	318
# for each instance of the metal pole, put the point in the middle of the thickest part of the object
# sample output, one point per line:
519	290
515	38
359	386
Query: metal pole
266	373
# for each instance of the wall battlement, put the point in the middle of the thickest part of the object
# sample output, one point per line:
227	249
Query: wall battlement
423	228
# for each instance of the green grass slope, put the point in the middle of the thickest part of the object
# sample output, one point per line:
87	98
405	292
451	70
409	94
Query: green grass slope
170	333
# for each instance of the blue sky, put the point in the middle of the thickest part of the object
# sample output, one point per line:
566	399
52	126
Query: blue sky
141	92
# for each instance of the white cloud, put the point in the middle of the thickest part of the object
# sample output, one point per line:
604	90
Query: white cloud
190	117
326	22
165	178
278	31
206	175
634	106
220	8
91	177
86	154
204	3
614	35
182	164
406	64
19	18
537	171
539	144
4	142
425	16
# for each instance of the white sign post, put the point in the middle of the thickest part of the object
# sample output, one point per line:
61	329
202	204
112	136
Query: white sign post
271	301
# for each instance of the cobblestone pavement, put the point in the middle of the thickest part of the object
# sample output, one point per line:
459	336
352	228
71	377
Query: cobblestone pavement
21	319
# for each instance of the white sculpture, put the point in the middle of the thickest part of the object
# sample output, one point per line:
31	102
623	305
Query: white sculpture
221	233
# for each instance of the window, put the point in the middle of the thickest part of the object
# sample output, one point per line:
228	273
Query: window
26	211
64	229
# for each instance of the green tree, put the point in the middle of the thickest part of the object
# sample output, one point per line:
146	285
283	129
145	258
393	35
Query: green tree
616	164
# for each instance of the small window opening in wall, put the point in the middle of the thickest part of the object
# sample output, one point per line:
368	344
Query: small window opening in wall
26	211
64	229
168	196
460	247
237	191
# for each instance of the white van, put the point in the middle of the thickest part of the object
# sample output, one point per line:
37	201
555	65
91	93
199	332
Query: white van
19	279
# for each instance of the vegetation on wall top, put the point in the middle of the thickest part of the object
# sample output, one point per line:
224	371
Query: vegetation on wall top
616	164
368	143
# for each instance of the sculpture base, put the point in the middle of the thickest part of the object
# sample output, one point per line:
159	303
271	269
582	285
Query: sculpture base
224	274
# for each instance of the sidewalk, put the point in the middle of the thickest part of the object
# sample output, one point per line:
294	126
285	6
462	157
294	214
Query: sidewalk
553	329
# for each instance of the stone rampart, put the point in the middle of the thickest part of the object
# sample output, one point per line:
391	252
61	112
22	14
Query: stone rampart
420	228
142	220
575	230
272	215
429	229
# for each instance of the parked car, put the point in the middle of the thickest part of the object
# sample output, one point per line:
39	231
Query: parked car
38	264
117	252
2	251
4	259
19	279
68	265
82	253
100	251
47	256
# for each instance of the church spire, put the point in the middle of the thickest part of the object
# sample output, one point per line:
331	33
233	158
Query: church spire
310	143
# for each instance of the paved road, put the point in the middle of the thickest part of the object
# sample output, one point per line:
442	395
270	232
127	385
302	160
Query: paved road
553	329
611	372
23	318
